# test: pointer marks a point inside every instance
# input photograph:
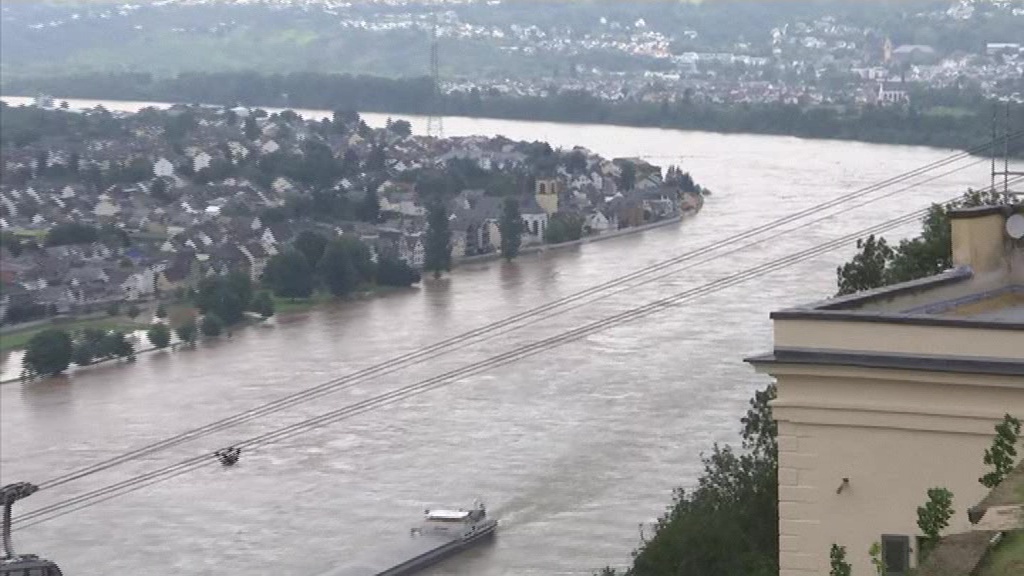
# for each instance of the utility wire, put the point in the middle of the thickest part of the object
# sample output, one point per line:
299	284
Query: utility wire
76	503
489	331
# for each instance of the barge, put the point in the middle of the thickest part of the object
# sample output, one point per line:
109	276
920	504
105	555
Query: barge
442	533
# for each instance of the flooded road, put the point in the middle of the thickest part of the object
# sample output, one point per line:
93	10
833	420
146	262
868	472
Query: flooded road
571	449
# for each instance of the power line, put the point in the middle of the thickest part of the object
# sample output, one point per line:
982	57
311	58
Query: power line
489	331
84	500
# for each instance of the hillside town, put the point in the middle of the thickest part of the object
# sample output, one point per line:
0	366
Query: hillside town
617	54
121	208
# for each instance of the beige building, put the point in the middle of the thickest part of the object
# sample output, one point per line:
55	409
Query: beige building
887	393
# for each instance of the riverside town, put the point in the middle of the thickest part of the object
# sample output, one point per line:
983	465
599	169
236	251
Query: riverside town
512	287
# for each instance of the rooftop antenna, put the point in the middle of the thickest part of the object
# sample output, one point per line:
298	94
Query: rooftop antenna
435	124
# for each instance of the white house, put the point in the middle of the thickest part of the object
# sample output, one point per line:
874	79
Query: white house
597	222
105	207
163	167
140	284
200	161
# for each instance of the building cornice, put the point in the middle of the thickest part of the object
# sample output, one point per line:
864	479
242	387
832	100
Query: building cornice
885	361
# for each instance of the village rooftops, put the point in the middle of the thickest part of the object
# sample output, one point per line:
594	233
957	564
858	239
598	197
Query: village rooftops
978	306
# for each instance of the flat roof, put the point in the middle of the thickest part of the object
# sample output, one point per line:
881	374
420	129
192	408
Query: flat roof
1001	308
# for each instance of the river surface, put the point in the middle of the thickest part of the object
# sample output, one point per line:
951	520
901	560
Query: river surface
572	449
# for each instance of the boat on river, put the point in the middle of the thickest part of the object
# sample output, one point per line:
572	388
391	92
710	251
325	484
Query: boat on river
441	534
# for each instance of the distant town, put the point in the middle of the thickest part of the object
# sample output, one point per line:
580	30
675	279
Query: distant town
649	52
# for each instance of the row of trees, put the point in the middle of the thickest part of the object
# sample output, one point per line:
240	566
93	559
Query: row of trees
51	351
901	125
340	265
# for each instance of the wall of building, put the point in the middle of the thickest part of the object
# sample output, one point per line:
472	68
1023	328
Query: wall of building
894	434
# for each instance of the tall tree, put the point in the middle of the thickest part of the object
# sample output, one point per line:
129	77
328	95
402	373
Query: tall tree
251	128
511	226
337	269
187	332
438	257
311	244
227	296
263	304
48	352
159	335
289	275
369	207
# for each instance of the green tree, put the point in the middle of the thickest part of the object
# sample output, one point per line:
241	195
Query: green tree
160	191
933	518
867	269
72	233
161	311
226	296
563	228
251	128
289	275
838	566
401	128
394	272
83	353
1002	453
728	524
369	207
133	311
878	264
511	226
337	268
627	176
438	257
212	326
117	345
11	242
48	353
361	256
113	309
311	244
187	332
263	304
159	335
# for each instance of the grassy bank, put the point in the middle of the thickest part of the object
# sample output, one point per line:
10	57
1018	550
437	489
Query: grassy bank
19	338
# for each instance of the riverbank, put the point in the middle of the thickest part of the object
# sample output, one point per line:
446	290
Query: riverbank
541	248
962	126
286	307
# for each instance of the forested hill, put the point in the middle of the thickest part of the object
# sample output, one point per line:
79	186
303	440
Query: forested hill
949	119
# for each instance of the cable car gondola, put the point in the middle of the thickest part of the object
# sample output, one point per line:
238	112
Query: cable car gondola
26	564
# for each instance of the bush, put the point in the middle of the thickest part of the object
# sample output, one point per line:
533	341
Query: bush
212	326
394	272
159	335
187	332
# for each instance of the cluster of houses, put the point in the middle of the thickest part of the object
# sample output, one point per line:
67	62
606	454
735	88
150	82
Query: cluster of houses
182	227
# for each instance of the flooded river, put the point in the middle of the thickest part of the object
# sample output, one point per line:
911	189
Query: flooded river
572	449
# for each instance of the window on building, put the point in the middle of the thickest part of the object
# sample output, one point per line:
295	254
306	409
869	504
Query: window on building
896	555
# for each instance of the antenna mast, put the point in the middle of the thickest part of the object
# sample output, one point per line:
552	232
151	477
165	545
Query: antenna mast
435	124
